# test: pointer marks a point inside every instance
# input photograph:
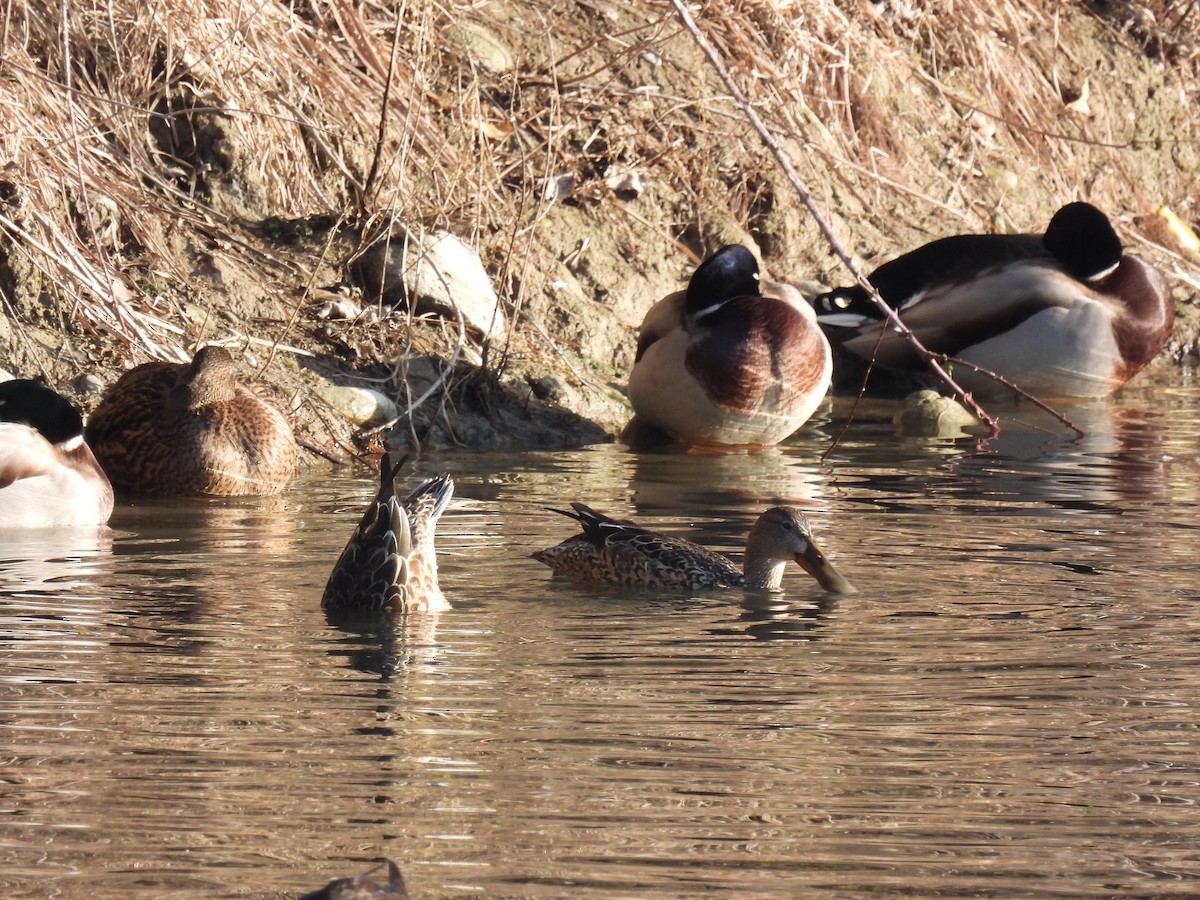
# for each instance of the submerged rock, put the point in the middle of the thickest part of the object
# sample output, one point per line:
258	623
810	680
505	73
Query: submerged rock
929	414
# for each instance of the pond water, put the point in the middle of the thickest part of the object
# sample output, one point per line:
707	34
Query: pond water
1008	708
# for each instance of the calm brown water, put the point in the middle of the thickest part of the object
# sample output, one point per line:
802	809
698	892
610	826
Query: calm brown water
1007	709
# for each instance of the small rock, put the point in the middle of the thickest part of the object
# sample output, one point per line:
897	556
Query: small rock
559	187
361	406
549	387
342	308
485	47
625	183
88	383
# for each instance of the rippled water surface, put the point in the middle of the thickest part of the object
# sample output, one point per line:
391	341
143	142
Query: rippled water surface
1007	709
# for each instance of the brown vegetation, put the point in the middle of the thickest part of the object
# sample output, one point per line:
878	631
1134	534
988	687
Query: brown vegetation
206	171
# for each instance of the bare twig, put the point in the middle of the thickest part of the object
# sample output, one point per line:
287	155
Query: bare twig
1000	379
785	163
381	137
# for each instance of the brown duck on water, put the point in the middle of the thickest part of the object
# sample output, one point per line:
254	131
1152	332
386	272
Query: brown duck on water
621	552
390	563
180	428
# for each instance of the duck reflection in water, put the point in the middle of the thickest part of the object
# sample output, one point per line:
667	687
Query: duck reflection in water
364	887
621	552
770	617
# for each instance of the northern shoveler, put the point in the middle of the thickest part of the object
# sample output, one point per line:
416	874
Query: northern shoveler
390	563
179	428
364	887
48	474
1067	313
622	552
729	362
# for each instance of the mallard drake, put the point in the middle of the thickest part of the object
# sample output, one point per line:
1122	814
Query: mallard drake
622	552
1067	313
390	564
48	475
728	362
179	428
364	887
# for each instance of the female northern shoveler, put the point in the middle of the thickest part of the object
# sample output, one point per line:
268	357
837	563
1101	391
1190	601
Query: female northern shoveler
390	563
48	475
624	553
1064	314
728	363
170	428
364	887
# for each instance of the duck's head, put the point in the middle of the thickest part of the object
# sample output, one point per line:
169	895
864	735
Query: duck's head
32	403
730	272
211	378
1083	239
781	534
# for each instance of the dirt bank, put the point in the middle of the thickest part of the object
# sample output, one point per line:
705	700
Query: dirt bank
207	172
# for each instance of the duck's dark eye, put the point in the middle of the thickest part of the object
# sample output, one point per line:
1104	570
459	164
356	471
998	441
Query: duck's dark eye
788	526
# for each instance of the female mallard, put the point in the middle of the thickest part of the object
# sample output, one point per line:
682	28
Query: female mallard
624	553
364	887
1064	314
170	428
48	475
727	362
390	563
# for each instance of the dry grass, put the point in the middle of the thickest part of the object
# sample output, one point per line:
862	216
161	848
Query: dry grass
142	147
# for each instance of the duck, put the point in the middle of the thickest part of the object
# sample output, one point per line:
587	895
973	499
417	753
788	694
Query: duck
364	887
1067	313
192	429
49	477
390	564
729	361
622	552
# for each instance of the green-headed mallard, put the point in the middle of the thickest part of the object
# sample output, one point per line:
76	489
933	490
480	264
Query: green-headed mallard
1063	314
729	362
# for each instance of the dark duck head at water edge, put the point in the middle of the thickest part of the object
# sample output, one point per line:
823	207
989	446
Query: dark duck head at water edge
729	362
364	887
1064	314
390	563
48	474
621	552
192	429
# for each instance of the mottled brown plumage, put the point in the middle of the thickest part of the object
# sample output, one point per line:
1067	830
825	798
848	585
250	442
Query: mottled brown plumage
727	362
390	563
621	552
191	429
364	887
